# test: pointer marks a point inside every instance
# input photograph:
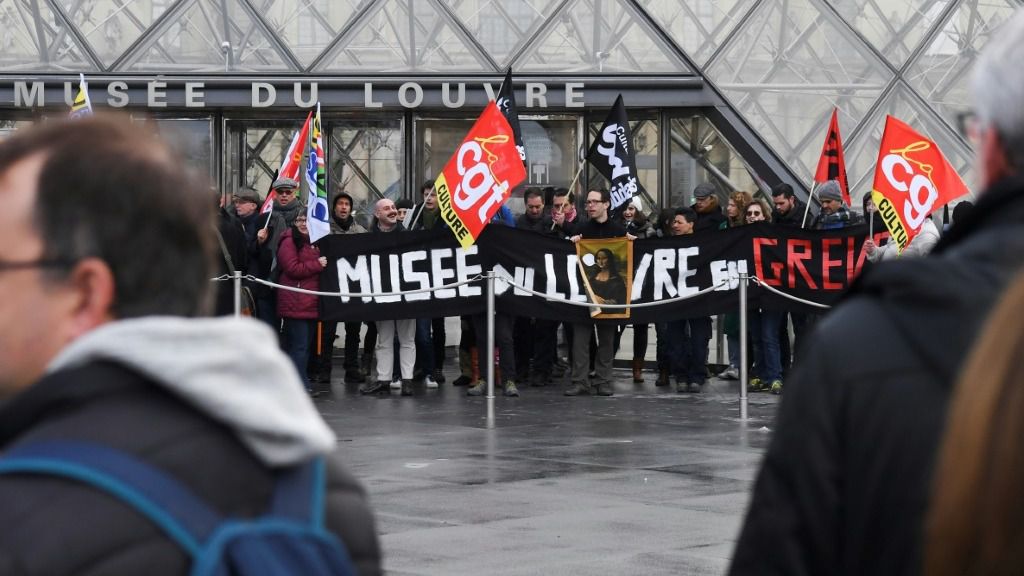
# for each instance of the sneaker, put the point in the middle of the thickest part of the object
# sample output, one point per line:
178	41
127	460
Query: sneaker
396	384
694	387
605	389
438	376
681	388
730	373
406	386
430	382
510	389
477	389
754	385
462	380
354	377
374	387
776	387
575	389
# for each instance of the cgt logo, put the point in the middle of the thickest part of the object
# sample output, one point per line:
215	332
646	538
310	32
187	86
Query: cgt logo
920	190
478	188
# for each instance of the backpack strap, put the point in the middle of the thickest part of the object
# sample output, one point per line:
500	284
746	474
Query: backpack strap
151	492
300	494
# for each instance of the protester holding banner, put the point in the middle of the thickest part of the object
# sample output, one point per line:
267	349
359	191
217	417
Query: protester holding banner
503	338
637	225
562	220
834	214
526	334
705	204
598	226
789	210
735	212
301	264
921	244
764	327
686	339
430	332
845	481
342	222
385	221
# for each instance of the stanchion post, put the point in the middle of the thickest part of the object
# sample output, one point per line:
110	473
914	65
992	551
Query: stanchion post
489	353
744	377
237	280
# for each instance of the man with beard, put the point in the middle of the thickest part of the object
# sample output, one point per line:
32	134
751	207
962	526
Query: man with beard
342	222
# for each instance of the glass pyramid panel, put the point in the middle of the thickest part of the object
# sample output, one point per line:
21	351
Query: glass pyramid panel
862	153
194	41
22	49
603	36
894	27
111	26
502	27
405	36
307	27
941	73
786	70
697	26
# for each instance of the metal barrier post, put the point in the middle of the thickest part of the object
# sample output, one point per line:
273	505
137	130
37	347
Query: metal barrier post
743	347
237	279
488	355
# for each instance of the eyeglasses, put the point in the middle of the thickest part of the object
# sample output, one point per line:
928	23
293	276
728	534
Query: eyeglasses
6	266
286	192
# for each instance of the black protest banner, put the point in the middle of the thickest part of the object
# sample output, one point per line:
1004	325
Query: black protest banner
813	265
612	154
507	105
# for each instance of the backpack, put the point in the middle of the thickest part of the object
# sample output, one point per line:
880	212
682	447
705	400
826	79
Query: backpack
290	539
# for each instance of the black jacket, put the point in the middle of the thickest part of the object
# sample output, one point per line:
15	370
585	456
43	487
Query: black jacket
795	217
844	485
56	527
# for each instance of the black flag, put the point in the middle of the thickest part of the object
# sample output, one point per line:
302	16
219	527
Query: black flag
507	105
613	156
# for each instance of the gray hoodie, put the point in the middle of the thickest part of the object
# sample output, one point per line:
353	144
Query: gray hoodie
230	369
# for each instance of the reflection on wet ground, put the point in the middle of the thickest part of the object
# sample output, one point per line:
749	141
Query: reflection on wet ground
644	482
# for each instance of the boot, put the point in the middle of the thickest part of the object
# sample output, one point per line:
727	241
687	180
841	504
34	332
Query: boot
638	367
662	377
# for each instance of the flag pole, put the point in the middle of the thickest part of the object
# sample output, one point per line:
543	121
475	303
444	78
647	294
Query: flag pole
573	183
803	223
269	190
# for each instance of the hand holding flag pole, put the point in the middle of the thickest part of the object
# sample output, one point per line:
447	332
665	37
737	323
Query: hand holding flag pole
270	189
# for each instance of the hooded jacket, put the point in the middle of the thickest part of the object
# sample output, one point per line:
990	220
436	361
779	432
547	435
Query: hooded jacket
844	485
212	402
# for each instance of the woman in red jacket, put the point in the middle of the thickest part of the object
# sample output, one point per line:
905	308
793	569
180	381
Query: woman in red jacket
300	263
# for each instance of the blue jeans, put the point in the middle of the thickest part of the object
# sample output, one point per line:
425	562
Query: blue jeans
424	345
769	360
688	342
295	338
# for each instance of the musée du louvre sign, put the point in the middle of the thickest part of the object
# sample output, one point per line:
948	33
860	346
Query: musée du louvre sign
384	93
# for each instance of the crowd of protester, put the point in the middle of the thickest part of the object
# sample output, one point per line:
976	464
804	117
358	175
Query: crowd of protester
527	350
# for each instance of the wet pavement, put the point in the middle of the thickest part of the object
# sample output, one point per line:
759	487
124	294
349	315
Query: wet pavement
644	482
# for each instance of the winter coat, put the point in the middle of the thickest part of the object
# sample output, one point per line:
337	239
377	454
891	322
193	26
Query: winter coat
212	402
922	244
794	218
843	488
709	220
263	257
300	269
353	226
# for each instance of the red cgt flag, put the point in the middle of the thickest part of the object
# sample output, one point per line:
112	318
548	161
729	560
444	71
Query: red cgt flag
831	165
480	176
912	180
